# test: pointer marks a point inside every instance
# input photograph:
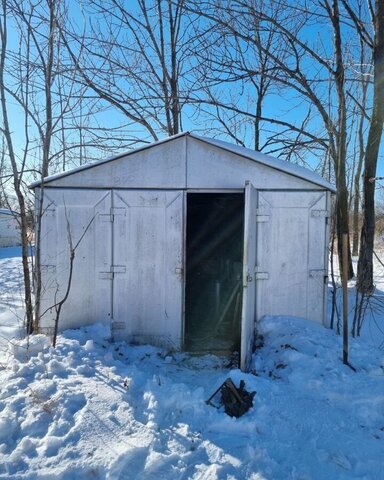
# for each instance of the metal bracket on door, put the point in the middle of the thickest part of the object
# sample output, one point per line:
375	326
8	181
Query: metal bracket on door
49	212
260	274
319	274
319	213
262	215
106	217
105	275
118	269
118	211
113	212
113	270
118	325
48	268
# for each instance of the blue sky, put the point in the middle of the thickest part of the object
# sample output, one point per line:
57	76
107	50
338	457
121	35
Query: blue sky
284	105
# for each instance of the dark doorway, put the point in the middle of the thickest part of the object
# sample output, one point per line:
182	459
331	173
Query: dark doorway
214	256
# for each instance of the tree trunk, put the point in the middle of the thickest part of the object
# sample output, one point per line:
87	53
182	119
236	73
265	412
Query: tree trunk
17	177
355	218
46	147
361	146
356	203
342	207
365	263
342	225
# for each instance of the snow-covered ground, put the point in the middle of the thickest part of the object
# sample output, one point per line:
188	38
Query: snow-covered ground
93	409
373	307
11	299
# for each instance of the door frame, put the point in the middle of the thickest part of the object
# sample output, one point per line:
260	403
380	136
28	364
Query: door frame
218	191
248	305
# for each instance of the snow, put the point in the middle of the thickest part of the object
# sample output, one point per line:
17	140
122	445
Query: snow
373	322
94	409
11	300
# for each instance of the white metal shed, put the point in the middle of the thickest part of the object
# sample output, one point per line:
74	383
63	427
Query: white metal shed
9	229
186	243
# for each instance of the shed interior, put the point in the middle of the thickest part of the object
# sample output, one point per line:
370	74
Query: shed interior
214	256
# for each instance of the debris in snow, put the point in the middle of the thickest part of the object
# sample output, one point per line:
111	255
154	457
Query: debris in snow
236	401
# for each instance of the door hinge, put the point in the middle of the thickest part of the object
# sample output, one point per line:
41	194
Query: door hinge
113	212
49	212
48	268
262	215
261	274
118	211
118	325
112	271
317	273
105	275
319	213
118	269
106	217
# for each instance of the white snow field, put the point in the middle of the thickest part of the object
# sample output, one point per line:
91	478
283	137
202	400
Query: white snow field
93	409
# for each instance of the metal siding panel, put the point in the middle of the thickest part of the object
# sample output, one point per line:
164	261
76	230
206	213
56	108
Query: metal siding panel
149	240
249	265
49	243
127	174
272	162
76	214
160	167
223	169
289	246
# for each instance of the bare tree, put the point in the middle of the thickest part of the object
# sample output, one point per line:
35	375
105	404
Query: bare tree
238	81
310	68
362	115
35	113
135	57
365	263
311	72
17	169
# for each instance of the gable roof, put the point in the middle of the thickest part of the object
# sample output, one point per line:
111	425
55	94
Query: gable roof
272	162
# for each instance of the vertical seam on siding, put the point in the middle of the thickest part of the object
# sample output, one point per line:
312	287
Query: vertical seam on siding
186	161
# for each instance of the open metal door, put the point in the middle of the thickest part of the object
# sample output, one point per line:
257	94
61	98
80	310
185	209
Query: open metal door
249	267
291	244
